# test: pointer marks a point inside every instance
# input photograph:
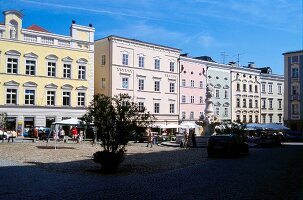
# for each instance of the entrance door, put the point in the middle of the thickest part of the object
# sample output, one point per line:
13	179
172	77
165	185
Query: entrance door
29	123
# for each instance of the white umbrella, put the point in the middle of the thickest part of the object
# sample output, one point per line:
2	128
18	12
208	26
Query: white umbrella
189	125
72	121
173	126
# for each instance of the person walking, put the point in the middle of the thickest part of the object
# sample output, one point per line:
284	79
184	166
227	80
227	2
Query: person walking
62	134
186	135
149	138
74	133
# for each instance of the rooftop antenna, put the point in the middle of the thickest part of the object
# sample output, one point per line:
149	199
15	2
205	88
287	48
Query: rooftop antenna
238	58
223	56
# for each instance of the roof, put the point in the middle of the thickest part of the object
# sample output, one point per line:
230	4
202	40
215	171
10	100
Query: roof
205	58
292	52
37	28
139	41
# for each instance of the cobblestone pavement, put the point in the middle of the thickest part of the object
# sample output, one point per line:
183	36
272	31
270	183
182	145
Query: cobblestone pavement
271	173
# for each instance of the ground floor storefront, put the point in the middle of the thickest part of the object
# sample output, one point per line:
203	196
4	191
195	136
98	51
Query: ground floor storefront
24	119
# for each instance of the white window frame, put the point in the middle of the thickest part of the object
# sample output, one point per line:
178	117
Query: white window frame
171	66
183	99
141	84
11	95
51	98
124	82
67	70
157	64
141	61
263	88
201	99
191	115
157	107
201	84
172	87
51	68
192	83
82	72
192	99
141	106
66	96
14	64
217	93
81	99
157	86
30	68
125	58
269	88
103	59
171	108
183	115
29	98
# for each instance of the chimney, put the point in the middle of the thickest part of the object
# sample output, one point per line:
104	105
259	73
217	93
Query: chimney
251	65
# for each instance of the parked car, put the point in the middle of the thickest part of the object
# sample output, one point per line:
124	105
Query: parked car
226	145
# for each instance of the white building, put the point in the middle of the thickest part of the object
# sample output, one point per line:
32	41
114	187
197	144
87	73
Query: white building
147	72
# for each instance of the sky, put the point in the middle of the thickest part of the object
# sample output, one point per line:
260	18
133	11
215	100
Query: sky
226	30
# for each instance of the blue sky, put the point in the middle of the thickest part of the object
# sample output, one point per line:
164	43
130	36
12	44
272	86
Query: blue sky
256	30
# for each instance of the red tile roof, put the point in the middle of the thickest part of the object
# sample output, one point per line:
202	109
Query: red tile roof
37	28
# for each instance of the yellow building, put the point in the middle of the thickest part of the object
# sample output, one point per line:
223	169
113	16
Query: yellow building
44	77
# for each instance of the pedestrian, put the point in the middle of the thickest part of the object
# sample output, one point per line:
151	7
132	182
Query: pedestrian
74	133
186	135
149	138
193	138
80	137
62	134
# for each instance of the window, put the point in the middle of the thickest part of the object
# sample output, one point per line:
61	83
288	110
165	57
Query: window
256	89
191	115
183	82
30	67
66	98
103	83
270	88
217	94
192	83
141	84
295	59
280	103
238	86
295	72
244	103
183	115
81	72
263	103
263	119
171	87
256	119
295	109
50	98
81	99
125	82
201	84
12	65
157	107
250	118
238	103
183	99
201	99
270	118
103	60
141	106
124	59
51	69
250	103
192	99
256	103
295	89
11	96
238	118
244	87
157	86
171	66
141	61
171	108
270	103
67	70
279	89
217	111
250	88
263	87
29	98
244	118
226	94
280	118
157	64
225	112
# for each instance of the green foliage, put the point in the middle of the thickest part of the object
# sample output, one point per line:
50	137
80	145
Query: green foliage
234	127
116	119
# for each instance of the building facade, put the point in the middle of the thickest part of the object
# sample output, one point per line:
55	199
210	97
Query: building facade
272	87
149	73
192	88
293	93
218	76
44	77
245	86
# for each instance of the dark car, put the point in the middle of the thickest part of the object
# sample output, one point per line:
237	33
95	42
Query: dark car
226	145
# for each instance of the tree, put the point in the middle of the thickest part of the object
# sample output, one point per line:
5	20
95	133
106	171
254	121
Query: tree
115	119
3	123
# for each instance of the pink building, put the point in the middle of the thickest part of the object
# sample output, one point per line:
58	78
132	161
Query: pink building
192	88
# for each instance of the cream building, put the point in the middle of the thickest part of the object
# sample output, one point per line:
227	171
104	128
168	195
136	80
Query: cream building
245	84
44	77
147	72
272	99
